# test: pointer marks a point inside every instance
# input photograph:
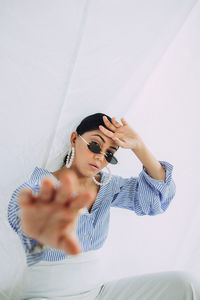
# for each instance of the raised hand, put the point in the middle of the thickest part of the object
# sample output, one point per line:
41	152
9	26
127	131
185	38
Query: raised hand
50	217
122	134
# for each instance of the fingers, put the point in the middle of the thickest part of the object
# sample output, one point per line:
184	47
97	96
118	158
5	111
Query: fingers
106	131
47	190
124	122
108	123
81	201
68	187
26	197
75	206
69	244
112	126
116	123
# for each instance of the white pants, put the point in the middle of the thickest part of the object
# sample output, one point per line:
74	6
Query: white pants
81	277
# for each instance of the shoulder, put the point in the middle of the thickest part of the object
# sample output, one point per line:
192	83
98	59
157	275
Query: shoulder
38	174
115	183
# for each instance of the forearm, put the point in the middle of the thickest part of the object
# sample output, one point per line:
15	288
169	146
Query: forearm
153	167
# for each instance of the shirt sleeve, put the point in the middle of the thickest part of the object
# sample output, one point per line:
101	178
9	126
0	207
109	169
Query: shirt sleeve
145	195
34	253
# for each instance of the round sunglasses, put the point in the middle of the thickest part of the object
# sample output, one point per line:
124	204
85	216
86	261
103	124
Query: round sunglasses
95	148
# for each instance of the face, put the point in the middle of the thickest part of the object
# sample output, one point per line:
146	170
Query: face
84	157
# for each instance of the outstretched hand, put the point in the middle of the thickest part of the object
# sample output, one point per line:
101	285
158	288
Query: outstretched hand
50	217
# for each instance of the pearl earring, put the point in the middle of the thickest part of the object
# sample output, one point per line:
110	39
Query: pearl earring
69	163
103	183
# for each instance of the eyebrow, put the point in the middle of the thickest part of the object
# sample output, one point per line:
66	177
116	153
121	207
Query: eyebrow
104	140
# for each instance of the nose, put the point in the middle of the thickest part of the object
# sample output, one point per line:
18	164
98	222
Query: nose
100	156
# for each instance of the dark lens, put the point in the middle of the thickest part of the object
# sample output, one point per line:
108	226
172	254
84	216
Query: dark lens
94	147
111	159
114	161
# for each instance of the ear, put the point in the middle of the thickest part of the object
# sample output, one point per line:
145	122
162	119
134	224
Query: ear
73	137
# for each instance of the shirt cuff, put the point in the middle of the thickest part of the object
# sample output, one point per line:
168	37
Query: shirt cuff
160	185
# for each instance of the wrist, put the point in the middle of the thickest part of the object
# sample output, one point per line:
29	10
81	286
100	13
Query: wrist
138	146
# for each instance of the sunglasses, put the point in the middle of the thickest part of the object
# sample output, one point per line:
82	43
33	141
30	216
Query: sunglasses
95	148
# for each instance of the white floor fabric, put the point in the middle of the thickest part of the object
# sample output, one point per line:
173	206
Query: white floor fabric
158	286
81	277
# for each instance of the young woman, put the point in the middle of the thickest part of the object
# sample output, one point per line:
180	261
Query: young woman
62	218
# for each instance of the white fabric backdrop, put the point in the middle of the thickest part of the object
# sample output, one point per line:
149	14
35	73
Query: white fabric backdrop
63	60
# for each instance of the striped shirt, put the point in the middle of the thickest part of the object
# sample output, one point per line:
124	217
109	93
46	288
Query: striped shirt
143	195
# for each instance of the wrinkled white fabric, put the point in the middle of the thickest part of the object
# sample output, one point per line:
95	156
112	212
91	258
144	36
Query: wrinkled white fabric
174	285
81	277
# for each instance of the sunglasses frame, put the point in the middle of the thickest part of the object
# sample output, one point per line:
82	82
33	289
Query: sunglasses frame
105	155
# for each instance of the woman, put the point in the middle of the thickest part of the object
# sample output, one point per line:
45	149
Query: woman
62	218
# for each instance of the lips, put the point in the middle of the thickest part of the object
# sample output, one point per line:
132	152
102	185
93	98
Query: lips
94	165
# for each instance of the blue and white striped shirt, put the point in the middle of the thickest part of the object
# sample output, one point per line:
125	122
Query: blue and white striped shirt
143	195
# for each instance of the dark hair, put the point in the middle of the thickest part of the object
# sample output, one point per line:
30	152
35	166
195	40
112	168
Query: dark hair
90	123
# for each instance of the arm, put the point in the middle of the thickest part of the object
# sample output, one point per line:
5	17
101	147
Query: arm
49	216
151	192
153	167
143	194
